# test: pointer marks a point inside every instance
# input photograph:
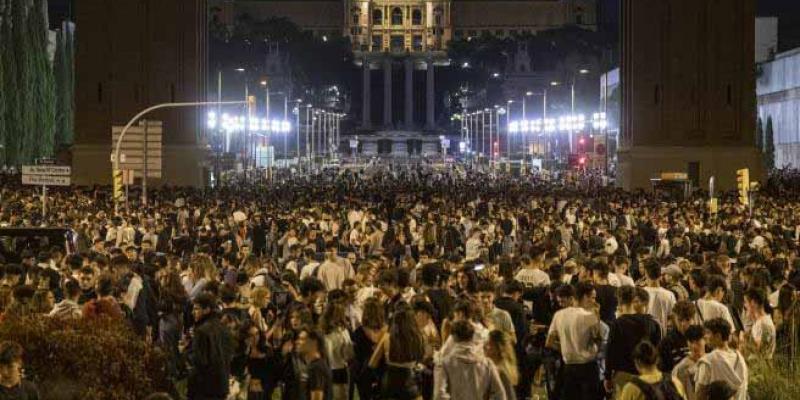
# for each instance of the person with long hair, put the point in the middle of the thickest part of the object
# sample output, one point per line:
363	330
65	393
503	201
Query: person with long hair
172	303
202	272
500	349
401	350
365	338
338	347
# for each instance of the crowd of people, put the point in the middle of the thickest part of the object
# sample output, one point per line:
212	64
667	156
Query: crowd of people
416	283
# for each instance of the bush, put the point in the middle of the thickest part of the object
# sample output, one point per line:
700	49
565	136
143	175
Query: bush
774	381
87	359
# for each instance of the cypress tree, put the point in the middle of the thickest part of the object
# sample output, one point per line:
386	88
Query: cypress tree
59	71
69	64
769	146
24	108
760	135
3	95
11	85
41	135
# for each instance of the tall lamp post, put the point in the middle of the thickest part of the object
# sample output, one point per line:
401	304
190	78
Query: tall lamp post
297	128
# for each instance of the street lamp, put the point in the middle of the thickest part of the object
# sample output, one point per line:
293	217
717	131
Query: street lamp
297	128
508	127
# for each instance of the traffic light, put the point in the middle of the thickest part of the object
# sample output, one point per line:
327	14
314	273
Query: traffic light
743	185
119	192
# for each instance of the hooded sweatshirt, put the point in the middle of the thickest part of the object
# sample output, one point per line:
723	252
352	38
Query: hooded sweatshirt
728	366
465	374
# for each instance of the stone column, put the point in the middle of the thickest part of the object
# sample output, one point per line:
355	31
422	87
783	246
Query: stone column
366	110
387	92
430	123
409	82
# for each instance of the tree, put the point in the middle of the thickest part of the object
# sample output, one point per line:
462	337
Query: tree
769	146
316	64
3	95
62	71
760	135
40	137
14	54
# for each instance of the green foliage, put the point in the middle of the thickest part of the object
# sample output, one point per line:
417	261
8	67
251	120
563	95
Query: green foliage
3	96
99	359
42	116
774	381
769	146
62	72
760	135
28	102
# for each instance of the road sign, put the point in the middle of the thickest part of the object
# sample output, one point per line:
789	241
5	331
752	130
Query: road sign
56	170
128	175
45	180
141	144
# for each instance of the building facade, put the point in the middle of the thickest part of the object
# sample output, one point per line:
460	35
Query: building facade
778	92
132	54
399	43
687	91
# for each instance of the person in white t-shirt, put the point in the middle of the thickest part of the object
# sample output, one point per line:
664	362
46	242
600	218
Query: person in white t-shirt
710	306
578	333
661	300
760	338
472	249
620	276
723	364
333	271
531	274
311	264
686	370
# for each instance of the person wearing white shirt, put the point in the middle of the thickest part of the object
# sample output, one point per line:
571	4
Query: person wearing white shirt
710	306
686	370
472	249
722	364
531	275
311	264
610	244
761	336
620	275
578	333
661	300
333	272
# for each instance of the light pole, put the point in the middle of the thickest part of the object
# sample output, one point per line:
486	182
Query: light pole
247	134
297	129
483	132
118	145
314	132
508	131
309	127
323	132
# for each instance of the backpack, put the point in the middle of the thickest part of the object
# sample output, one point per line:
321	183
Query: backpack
662	390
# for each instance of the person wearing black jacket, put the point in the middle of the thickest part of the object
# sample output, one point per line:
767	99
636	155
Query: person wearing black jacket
211	352
511	302
632	327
